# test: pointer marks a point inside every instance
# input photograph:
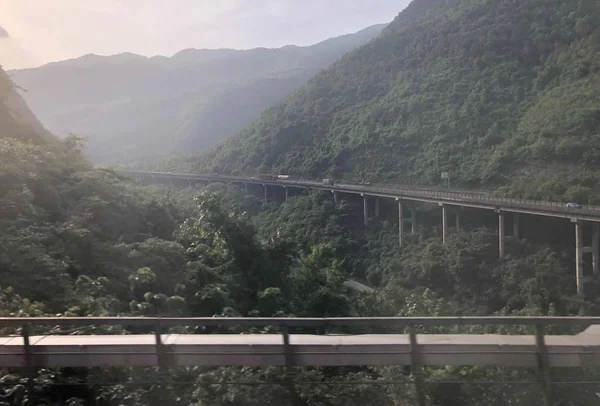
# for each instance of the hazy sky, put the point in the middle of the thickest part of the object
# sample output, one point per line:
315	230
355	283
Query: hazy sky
34	32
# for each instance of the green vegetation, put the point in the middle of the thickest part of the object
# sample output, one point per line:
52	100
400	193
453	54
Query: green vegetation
499	93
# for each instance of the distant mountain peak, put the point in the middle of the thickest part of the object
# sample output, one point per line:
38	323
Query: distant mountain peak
88	60
159	104
195	55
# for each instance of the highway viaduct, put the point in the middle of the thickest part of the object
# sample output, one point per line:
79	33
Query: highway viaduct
449	201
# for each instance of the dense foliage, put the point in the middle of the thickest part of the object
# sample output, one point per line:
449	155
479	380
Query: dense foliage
498	93
486	89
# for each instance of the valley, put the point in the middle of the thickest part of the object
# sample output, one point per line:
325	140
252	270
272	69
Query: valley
271	183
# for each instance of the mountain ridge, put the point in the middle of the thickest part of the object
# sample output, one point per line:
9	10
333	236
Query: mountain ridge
193	54
16	119
148	108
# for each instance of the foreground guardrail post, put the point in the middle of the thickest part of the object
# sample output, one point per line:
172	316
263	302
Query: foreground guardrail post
29	367
160	348
543	363
288	354
415	367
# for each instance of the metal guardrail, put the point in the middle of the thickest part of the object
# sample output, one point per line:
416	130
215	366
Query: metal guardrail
288	353
397	322
449	197
478	198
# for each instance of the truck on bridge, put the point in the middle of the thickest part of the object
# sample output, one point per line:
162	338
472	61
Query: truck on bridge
273	177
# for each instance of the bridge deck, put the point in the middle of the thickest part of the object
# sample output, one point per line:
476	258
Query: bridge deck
582	350
474	198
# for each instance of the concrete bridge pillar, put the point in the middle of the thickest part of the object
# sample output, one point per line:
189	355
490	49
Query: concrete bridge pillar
596	247
580	251
579	256
377	207
501	233
286	193
400	222
516	225
444	223
246	186
266	192
336	198
413	221
458	220
365	210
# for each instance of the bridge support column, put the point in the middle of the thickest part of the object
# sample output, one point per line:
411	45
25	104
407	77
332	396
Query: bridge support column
413	221
400	222
266	193
365	210
595	247
516	225
336	198
377	207
579	257
246	186
458	220
444	223
286	193
501	234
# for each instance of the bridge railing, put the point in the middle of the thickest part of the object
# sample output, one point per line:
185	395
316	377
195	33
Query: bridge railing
486	199
399	191
396	322
162	352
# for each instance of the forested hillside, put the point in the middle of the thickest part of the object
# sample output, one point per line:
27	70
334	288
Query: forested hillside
75	241
79	241
498	93
132	107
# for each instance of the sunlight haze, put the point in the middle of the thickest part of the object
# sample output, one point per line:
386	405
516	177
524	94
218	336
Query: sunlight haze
45	31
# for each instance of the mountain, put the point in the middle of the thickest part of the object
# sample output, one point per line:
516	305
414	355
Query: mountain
502	93
131	107
60	218
16	119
